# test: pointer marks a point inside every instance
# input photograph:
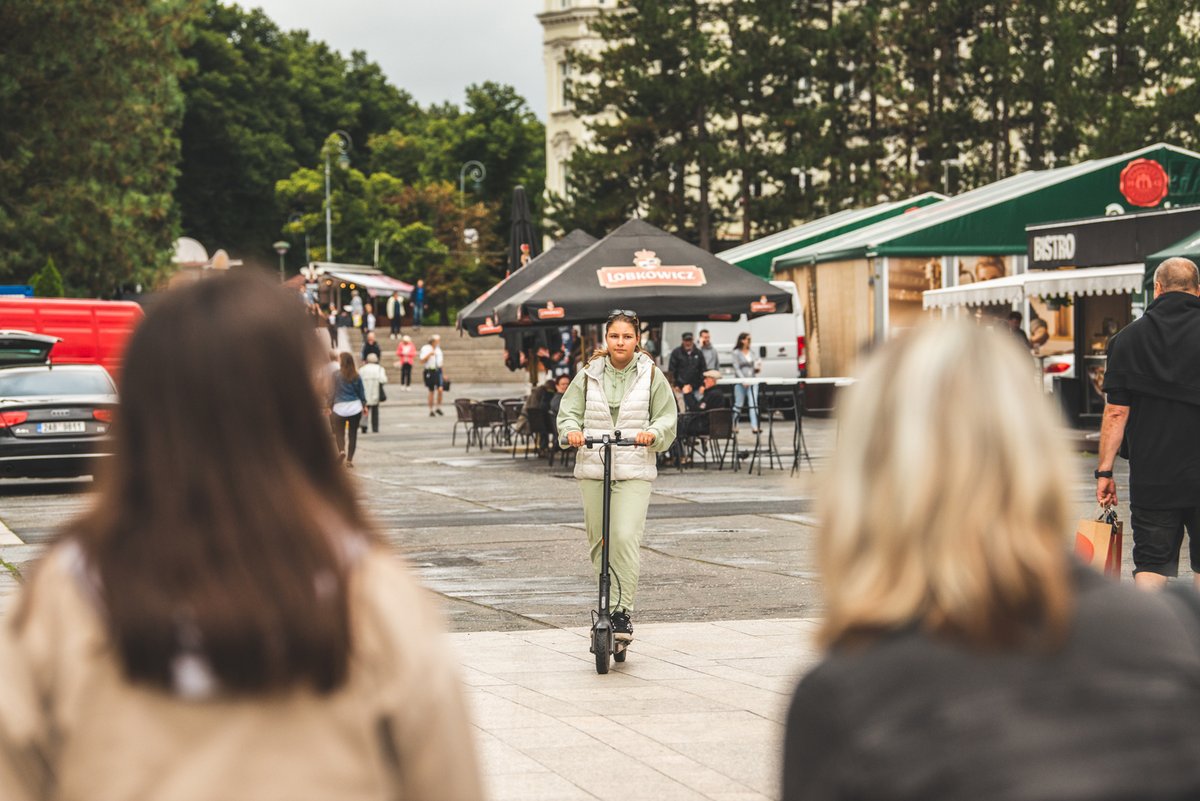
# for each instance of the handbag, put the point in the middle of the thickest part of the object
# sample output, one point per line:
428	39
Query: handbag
382	394
445	383
1098	542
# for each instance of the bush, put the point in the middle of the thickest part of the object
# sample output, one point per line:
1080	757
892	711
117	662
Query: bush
47	282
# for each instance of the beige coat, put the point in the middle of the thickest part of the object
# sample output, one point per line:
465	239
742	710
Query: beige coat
72	729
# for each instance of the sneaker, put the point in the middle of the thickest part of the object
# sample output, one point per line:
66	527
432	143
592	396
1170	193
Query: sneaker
622	625
431	413
439	412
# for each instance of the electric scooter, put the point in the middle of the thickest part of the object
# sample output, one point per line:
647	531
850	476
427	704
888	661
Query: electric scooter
603	642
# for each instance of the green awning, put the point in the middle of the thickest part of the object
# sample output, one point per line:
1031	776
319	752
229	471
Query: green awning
992	218
1188	248
758	255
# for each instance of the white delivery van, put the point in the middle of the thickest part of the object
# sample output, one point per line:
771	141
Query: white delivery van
777	339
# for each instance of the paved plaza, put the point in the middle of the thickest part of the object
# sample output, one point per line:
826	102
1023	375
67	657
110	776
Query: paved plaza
727	606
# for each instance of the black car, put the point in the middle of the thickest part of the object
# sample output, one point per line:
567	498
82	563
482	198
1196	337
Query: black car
54	419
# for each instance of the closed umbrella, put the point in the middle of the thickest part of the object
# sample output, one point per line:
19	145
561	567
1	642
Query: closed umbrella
644	269
522	239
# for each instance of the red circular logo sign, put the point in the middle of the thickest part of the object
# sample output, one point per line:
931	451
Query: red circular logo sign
1144	182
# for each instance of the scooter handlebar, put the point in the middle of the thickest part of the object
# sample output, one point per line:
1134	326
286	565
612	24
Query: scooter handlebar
618	440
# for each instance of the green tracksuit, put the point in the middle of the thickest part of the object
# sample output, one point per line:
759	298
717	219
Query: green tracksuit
630	498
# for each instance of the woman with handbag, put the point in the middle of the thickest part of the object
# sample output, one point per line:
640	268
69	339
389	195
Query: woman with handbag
374	378
968	654
224	622
620	388
431	359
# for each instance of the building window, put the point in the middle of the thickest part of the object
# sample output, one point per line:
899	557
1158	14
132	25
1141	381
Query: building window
564	171
564	3
564	84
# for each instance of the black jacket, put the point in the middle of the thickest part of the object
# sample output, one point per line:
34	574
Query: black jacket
1109	716
687	368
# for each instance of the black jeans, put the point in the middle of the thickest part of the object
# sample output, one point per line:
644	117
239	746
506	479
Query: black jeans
395	325
406	375
338	424
374	415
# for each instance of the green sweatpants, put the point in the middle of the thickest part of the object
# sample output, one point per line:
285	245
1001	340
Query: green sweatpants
627	521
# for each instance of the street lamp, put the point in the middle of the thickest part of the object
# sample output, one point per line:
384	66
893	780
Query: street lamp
344	144
474	169
295	218
281	248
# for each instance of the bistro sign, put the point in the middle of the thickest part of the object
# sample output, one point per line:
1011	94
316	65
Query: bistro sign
1054	247
1108	241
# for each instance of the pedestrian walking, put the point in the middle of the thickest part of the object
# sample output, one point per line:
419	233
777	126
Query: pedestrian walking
368	321
969	656
374	378
745	393
395	313
345	321
224	621
333	323
712	360
686	364
1152	386
621	389
432	361
418	303
356	307
346	404
406	354
370	346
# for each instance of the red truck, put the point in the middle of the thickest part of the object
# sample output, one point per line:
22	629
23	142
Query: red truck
92	331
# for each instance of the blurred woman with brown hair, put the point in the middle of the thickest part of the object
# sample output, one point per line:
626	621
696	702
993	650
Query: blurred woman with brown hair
223	622
969	655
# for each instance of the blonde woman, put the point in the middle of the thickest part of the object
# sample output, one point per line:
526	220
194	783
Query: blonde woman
969	656
619	389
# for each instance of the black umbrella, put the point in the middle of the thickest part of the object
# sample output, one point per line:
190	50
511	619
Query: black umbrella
522	239
478	318
647	270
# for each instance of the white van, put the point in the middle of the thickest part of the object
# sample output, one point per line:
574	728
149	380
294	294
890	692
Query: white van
777	339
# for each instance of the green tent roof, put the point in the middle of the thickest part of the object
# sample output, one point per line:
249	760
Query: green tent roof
992	219
757	256
1188	248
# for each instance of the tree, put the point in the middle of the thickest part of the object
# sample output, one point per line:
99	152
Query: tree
47	282
90	99
259	104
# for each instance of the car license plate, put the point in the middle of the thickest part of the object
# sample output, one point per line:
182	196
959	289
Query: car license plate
62	428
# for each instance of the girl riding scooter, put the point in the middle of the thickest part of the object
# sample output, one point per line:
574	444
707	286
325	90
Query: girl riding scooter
620	388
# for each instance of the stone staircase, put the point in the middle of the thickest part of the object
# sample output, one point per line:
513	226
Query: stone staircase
469	360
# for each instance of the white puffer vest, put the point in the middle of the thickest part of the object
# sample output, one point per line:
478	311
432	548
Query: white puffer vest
634	416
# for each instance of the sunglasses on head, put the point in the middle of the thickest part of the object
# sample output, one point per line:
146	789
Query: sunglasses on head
615	313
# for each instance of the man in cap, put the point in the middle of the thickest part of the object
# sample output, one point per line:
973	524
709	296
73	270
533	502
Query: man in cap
686	365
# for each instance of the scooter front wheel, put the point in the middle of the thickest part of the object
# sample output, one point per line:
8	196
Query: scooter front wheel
602	648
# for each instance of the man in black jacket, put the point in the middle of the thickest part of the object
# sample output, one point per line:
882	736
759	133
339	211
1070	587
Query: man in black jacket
686	365
1152	387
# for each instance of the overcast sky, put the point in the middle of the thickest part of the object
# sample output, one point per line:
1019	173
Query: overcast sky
432	49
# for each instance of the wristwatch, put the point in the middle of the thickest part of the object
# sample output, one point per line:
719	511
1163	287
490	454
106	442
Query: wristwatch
1103	474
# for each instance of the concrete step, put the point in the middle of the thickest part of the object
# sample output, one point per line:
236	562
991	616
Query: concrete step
473	359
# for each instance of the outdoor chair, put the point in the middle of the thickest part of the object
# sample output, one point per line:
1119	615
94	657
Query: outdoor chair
722	437
462	410
512	413
487	418
537	432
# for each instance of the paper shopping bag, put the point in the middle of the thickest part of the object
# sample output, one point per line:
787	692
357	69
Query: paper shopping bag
1098	542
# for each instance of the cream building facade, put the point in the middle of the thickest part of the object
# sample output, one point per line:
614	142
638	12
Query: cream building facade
565	27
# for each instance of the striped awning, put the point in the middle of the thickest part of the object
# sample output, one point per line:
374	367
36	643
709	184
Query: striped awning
1122	279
